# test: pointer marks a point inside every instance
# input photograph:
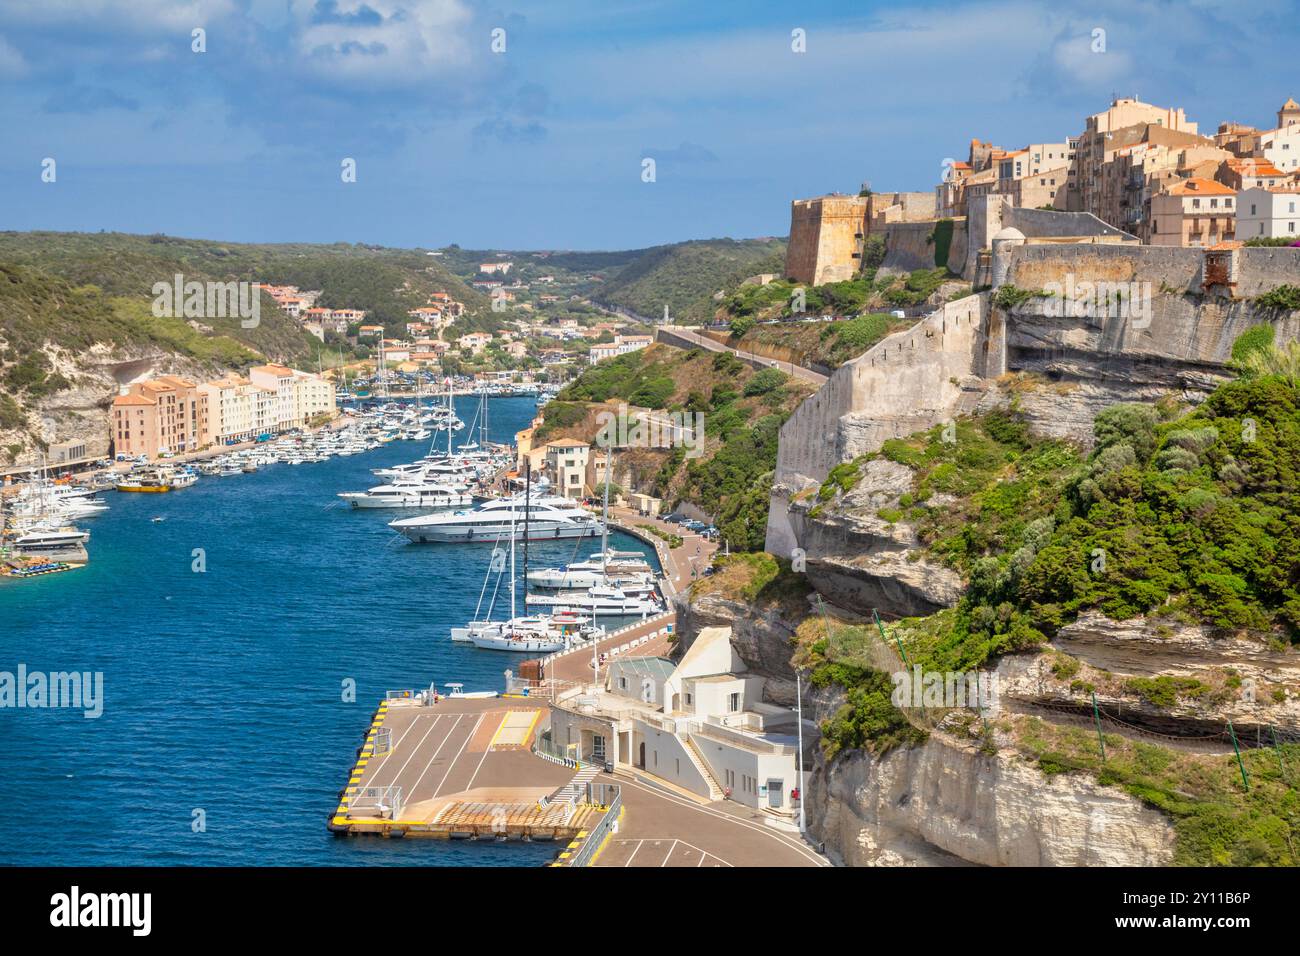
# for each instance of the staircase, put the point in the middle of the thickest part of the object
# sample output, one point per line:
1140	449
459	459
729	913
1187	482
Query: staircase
693	752
575	790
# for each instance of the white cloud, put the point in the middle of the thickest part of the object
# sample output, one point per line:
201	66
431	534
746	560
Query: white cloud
12	63
383	42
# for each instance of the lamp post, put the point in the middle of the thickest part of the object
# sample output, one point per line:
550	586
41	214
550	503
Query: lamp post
803	795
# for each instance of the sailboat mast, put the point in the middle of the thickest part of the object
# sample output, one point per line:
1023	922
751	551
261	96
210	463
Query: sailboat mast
451	414
604	525
528	504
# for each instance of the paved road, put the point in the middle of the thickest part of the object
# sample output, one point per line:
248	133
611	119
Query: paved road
660	828
713	345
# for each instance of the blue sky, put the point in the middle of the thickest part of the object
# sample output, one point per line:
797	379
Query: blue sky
541	146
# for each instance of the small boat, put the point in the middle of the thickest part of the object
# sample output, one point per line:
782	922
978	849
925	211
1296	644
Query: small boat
145	481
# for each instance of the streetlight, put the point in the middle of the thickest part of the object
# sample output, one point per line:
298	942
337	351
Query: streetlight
803	787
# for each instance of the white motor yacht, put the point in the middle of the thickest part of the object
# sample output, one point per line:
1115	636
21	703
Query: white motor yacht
409	493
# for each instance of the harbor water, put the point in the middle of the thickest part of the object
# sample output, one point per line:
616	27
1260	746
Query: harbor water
230	635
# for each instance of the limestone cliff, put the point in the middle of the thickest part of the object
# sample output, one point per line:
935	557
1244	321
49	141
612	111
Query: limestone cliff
945	802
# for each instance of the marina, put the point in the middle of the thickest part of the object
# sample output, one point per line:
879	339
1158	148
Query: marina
249	680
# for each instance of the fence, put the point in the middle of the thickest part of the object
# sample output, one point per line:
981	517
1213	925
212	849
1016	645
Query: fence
609	796
382	802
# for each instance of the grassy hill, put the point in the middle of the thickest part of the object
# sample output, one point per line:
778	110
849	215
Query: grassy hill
686	275
74	305
385	282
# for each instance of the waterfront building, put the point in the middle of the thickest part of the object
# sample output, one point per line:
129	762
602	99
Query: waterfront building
566	464
228	410
700	724
277	379
156	417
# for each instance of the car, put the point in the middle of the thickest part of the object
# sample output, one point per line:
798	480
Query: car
694	525
674	518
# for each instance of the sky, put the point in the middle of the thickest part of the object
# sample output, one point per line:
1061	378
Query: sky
526	125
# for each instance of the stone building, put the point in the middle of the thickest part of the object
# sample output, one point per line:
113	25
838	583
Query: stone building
826	238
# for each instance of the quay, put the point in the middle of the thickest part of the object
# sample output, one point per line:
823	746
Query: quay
460	768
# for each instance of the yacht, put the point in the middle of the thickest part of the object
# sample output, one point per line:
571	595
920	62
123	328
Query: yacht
409	493
602	600
544	517
51	541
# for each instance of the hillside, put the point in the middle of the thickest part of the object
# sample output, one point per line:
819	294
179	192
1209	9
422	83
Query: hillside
685	276
385	282
742	410
76	318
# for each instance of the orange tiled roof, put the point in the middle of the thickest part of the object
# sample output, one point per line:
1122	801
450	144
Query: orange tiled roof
134	400
1197	186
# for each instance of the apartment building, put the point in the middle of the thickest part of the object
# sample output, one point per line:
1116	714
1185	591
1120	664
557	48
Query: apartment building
1193	212
278	379
156	417
566	464
1269	212
169	415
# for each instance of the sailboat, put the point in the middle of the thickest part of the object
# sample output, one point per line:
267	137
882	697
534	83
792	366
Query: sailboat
534	634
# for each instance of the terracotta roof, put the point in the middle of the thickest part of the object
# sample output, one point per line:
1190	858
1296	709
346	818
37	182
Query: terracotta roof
133	400
1197	186
1254	167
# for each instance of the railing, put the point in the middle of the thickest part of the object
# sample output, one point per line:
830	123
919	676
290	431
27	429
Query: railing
382	802
609	796
741	739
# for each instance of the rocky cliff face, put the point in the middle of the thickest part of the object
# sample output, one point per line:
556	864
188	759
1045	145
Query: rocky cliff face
80	412
860	561
946	803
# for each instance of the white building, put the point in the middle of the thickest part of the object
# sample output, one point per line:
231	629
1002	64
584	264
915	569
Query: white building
621	345
1269	213
1282	147
277	379
700	724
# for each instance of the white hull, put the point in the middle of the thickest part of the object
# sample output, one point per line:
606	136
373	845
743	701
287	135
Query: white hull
491	533
523	644
626	607
361	500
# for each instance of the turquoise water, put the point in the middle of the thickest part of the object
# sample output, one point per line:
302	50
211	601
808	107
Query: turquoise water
223	690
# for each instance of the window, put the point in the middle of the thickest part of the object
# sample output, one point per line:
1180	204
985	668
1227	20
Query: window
733	702
1290	226
1196	204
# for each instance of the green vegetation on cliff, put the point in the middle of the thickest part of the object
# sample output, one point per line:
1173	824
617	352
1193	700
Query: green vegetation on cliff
742	412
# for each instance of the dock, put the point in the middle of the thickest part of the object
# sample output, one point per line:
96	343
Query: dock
462	768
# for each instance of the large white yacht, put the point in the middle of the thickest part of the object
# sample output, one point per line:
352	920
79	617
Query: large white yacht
410	493
603	600
546	518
